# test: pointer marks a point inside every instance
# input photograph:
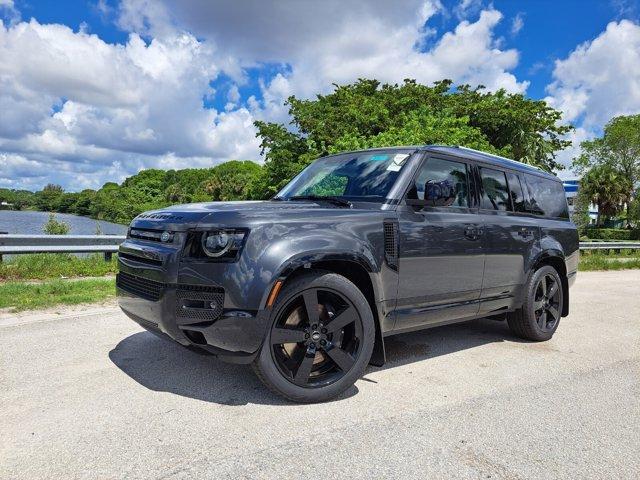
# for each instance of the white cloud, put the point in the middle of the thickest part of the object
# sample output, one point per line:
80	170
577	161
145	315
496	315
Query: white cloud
517	24
597	81
70	97
96	111
601	78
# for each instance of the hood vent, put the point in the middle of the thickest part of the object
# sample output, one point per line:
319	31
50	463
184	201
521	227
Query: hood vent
391	243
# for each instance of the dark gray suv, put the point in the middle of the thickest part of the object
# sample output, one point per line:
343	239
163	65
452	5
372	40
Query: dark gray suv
357	247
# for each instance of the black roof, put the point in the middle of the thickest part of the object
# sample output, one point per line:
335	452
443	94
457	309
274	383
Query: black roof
488	158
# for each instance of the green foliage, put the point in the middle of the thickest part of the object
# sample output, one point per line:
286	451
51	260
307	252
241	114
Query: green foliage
148	190
55	265
606	187
232	180
369	114
25	296
618	150
17	199
612	234
598	260
54	227
580	214
48	199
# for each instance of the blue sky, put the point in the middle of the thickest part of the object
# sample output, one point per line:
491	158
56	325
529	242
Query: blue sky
96	90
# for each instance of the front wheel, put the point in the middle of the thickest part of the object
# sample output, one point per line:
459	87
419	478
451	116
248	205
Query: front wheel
320	340
540	314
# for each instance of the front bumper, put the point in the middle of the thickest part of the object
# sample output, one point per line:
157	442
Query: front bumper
153	292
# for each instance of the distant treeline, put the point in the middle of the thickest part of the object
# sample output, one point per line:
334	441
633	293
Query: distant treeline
360	115
147	190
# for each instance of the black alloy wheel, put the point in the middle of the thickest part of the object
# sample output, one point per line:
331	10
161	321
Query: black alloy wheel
539	317
546	303
320	340
317	338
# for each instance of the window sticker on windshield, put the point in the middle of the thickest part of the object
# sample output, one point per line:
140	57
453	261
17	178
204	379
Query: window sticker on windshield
379	158
397	162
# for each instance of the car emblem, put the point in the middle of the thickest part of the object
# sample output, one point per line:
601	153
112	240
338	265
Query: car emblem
165	236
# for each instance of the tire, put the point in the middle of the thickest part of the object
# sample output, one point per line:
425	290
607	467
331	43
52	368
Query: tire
539	317
306	364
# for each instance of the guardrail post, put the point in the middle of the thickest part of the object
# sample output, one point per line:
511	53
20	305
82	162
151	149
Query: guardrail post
107	256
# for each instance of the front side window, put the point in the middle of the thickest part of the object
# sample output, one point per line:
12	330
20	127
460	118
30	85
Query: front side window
495	194
364	176
441	183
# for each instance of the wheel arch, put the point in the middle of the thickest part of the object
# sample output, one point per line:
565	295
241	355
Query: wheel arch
357	270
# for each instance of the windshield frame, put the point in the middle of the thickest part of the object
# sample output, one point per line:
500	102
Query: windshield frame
287	194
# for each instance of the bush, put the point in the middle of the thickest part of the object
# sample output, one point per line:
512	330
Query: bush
612	234
54	227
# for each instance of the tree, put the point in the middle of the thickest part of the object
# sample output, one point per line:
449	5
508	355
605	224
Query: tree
604	186
580	214
618	148
370	114
232	180
48	199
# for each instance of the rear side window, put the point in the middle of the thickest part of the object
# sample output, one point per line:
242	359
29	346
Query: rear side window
547	197
495	195
440	183
516	193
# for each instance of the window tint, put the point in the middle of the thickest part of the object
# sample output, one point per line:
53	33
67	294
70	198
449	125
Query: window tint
441	183
516	193
495	195
547	197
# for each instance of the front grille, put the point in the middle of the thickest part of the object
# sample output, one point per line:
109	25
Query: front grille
391	243
199	302
139	286
150	235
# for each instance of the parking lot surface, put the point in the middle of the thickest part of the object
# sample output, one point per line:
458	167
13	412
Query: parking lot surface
88	394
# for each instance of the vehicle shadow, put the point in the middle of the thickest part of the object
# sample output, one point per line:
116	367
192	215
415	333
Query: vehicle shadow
164	366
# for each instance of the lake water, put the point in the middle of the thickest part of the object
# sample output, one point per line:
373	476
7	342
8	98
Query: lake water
28	222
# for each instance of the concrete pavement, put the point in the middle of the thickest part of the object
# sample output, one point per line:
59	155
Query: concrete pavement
88	394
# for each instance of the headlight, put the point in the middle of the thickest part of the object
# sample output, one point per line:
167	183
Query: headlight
222	245
216	244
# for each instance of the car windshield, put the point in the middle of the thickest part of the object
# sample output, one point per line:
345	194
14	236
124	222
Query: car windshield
366	176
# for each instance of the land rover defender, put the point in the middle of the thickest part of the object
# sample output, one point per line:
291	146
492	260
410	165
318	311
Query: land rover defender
359	246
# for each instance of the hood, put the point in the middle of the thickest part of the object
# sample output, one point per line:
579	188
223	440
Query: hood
182	217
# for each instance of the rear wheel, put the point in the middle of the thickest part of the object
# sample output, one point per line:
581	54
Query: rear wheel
320	341
540	314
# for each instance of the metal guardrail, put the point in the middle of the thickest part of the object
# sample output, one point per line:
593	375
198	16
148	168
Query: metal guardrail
108	244
19	244
609	245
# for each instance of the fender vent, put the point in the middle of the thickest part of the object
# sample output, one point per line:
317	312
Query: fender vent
391	244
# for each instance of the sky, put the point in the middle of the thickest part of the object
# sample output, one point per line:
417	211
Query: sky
94	91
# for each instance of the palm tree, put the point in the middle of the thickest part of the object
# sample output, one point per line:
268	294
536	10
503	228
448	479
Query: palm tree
607	188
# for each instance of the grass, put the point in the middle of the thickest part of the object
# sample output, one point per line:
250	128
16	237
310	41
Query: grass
596	260
24	296
42	266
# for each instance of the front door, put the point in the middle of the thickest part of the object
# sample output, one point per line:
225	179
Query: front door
441	259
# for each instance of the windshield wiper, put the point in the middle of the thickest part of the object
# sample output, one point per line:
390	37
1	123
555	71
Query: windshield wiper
318	198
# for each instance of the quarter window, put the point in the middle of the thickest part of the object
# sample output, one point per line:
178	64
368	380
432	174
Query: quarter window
441	183
495	195
547	197
516	193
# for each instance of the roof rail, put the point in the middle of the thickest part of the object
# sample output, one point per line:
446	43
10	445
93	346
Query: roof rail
497	156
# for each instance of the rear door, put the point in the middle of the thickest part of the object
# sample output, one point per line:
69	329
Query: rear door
510	240
441	259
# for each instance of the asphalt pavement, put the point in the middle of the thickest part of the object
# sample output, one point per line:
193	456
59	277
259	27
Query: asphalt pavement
86	393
